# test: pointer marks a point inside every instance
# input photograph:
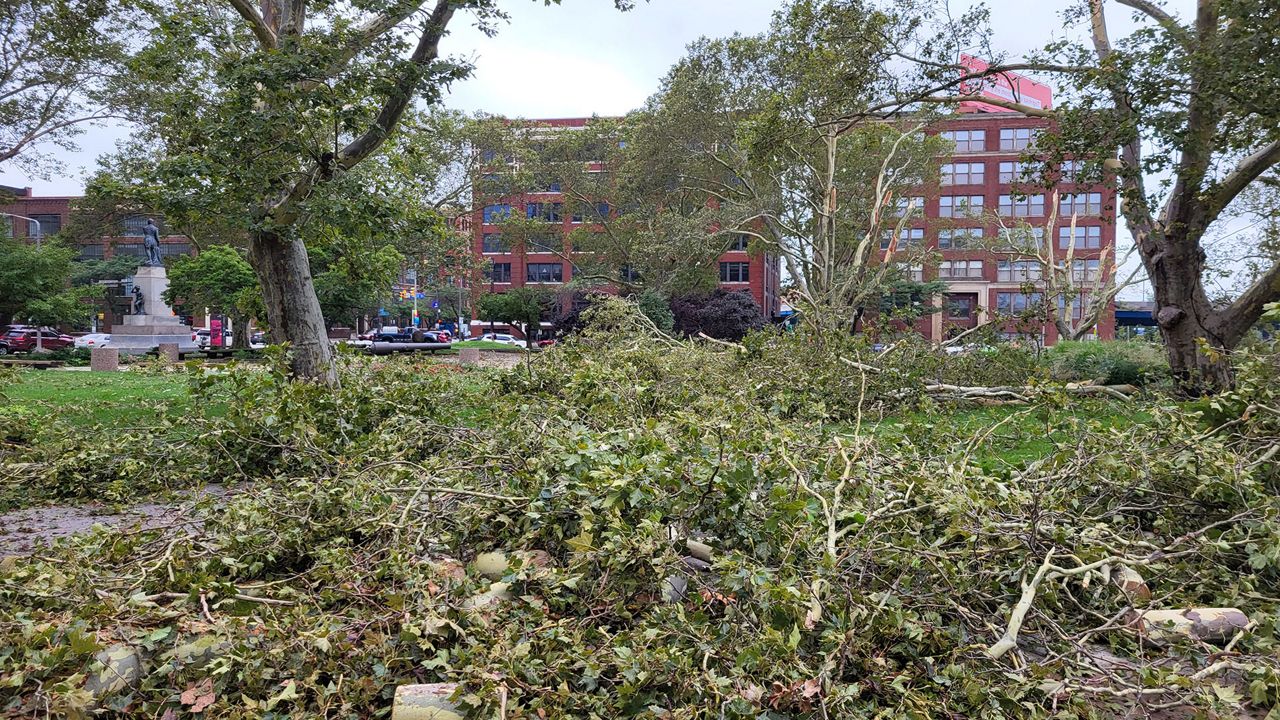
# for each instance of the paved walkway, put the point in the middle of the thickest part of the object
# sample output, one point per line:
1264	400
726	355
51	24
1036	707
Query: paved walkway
23	532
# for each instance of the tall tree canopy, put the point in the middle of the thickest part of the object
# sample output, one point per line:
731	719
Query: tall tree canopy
259	108
759	124
59	71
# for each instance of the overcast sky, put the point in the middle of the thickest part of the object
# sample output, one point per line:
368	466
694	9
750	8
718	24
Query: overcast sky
582	57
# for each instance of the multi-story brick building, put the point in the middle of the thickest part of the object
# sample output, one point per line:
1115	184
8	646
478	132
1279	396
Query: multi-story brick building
986	191
537	264
28	216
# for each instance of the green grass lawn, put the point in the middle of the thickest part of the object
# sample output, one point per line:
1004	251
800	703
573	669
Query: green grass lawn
488	345
119	399
1010	434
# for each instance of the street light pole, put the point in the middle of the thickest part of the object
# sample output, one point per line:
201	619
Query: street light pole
28	219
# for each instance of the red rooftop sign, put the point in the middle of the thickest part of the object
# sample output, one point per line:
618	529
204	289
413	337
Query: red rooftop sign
1007	86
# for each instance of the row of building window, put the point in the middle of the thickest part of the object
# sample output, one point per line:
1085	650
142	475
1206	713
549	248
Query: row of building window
1019	271
51	224
546	211
495	243
1078	238
1007	205
974	173
730	272
972	141
98	251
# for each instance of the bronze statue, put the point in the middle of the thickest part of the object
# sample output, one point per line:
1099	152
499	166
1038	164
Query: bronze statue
138	301
151	243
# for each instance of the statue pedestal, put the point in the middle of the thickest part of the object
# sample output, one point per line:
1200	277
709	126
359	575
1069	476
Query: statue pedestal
143	333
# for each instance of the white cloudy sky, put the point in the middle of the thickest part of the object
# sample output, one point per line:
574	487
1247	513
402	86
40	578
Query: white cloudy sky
582	57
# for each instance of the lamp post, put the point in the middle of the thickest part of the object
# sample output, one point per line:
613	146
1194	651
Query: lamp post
28	219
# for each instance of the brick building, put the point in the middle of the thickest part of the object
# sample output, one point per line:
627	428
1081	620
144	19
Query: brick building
50	214
984	194
537	265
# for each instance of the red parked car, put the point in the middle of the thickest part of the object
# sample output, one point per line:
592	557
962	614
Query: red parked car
24	340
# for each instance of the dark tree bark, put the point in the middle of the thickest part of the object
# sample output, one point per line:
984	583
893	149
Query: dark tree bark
280	262
293	311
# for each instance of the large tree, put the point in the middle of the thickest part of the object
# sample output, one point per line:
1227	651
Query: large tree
759	124
59	66
220	280
1193	106
262	107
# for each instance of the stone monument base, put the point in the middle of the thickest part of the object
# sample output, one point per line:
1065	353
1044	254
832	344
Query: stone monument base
144	333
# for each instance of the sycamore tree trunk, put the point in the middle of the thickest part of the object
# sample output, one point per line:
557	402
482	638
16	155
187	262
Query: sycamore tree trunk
240	336
1197	336
293	310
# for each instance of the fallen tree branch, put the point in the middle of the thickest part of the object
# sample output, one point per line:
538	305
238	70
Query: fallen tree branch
1009	640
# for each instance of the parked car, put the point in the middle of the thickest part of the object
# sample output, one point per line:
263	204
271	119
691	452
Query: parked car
24	340
392	337
546	342
501	338
93	340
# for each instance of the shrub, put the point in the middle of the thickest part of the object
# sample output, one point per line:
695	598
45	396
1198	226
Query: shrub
722	314
1120	362
70	356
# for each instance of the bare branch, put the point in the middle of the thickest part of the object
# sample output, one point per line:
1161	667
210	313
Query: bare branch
1006	104
266	36
1167	21
1248	170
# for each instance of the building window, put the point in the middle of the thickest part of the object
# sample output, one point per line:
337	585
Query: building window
549	212
739	243
1022	205
1077	306
493	243
551	187
957	238
49	225
496	213
543	244
588	213
1083	271
914	273
959	205
916	203
1023	236
131	249
1018	271
1011	172
910	237
735	272
960	269
174	249
1085	238
1070	170
544	273
94	251
1080	204
498	272
963	173
1012	303
134	224
967	141
1017	138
